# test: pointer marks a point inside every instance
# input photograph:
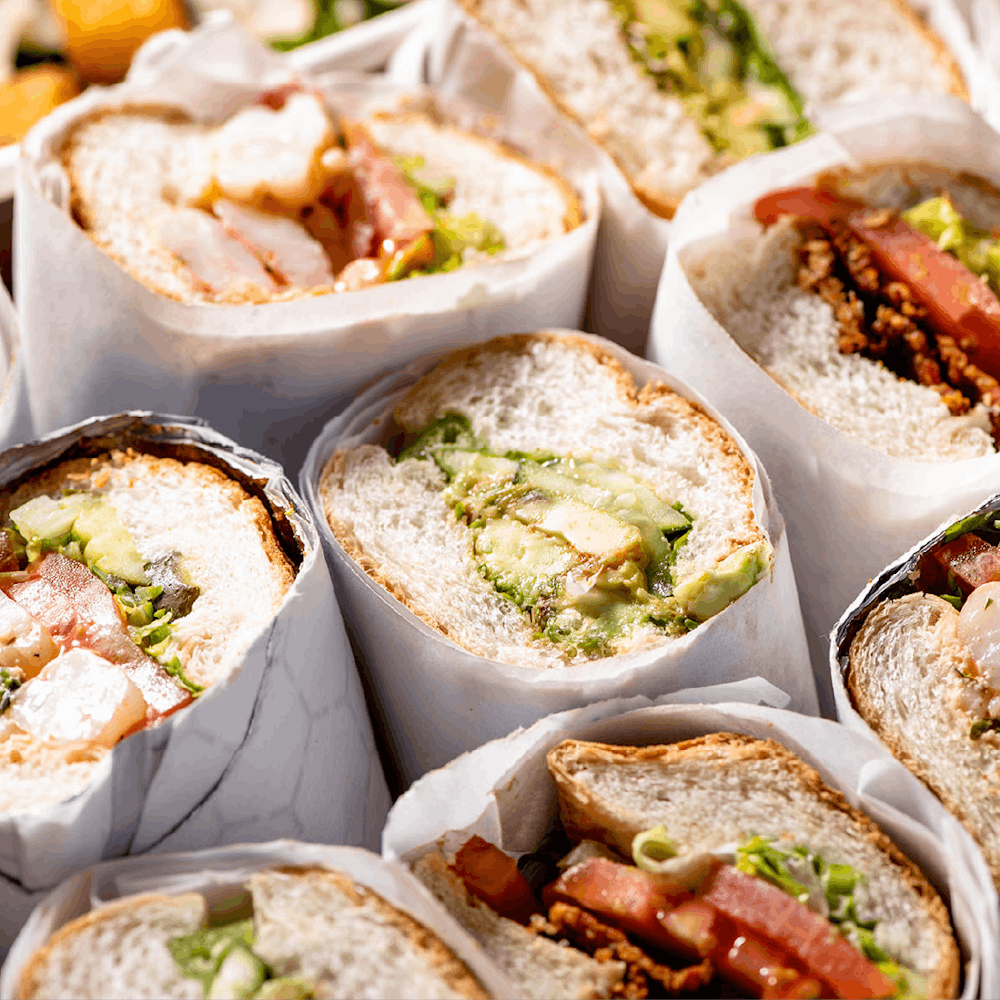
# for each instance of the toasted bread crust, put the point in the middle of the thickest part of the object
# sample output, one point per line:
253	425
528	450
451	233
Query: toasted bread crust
28	983
584	818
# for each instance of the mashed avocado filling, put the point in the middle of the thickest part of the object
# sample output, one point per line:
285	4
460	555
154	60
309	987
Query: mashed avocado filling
451	236
710	54
977	249
585	550
151	595
223	961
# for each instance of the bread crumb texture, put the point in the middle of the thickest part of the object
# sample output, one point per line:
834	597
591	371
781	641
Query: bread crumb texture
534	393
748	284
228	547
348	941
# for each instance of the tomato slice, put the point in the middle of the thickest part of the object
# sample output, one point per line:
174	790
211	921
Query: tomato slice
958	303
494	877
971	560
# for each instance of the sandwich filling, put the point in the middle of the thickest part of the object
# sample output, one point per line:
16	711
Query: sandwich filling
585	550
771	918
710	54
300	200
911	290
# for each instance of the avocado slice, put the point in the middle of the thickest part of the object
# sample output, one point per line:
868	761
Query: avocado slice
715	590
240	975
524	564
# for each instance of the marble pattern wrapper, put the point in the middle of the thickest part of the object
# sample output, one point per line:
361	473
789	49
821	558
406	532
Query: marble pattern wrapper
456	55
849	508
267	375
212	871
437	699
503	793
281	747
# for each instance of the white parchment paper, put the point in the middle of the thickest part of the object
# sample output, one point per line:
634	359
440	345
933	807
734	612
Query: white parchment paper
437	700
849	508
503	792
213	872
270	374
281	747
15	417
458	56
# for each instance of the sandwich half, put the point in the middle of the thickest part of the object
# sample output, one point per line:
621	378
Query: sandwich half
288	933
285	199
676	90
534	505
715	864
870	295
129	584
922	671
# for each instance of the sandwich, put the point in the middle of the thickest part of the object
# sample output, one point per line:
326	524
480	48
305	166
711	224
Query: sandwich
132	582
532	503
920	667
285	933
675	91
870	295
697	868
286	199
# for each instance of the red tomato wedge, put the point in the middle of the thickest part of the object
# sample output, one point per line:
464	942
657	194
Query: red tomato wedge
79	610
630	898
971	560
392	203
764	911
958	304
494	877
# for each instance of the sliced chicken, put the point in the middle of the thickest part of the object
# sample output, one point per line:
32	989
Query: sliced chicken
24	644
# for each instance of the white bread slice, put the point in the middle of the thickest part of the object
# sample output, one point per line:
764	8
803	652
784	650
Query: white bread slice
229	548
543	392
540	967
119	950
851	50
130	167
723	788
324	927
747	281
904	680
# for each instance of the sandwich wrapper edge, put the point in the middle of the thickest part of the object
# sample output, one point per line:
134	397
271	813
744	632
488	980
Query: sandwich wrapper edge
213	773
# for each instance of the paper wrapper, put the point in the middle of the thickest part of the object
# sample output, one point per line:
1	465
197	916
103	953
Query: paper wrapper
281	747
268	375
457	56
849	508
15	418
216	872
503	793
437	700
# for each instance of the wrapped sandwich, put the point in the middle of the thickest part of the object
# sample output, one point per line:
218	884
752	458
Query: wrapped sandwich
843	291
285	199
719	864
164	606
284	919
915	658
184	201
874	303
549	517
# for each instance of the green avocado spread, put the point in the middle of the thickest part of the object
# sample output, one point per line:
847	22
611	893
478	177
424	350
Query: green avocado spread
710	54
85	527
584	549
